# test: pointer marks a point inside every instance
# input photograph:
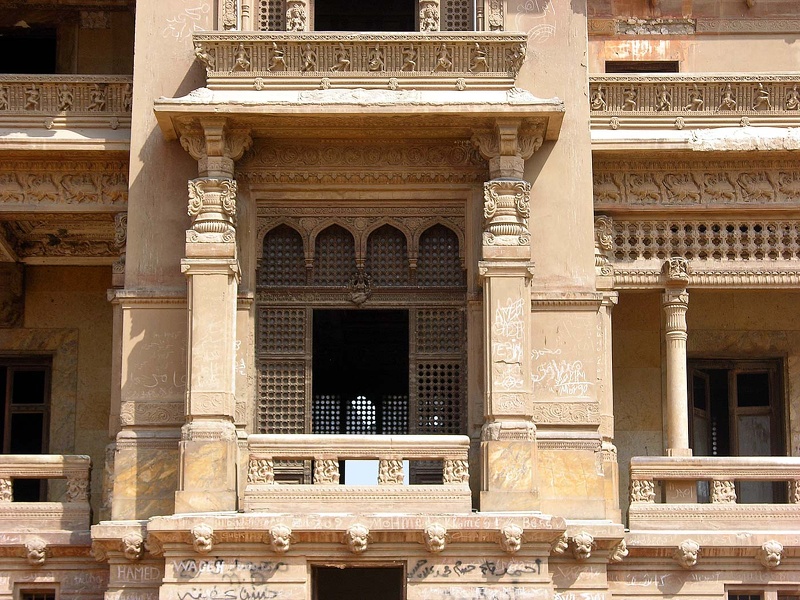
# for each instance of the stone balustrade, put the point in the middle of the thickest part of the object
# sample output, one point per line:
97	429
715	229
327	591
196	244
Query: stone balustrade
310	60
718	477
692	95
66	94
327	494
73	513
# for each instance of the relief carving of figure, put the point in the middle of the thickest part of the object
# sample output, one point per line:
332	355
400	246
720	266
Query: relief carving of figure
598	99
4	98
280	538
309	59
583	543
36	551
687	553
435	536
409	59
295	18
202	538
97	98
32	95
326	471
376	60
444	60
241	59
792	99
761	98
127	98
65	97
728	102
132	546
663	99
6	490
204	57
357	538
770	554
342	56
629	99
478	63
696	101
276	61
619	552
511	538
429	17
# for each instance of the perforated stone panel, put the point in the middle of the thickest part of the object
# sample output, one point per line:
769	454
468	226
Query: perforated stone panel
439	331
456	15
439	395
283	259
281	330
387	257
282	397
438	264
326	413
334	257
271	15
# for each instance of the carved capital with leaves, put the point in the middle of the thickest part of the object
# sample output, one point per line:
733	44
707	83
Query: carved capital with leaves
506	208
212	205
214	145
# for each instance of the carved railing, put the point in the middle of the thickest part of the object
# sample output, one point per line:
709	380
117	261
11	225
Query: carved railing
327	494
683	476
73	513
308	60
697	100
66	95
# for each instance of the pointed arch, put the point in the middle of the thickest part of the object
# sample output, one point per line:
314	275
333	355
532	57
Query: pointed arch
438	261
387	257
282	258
334	257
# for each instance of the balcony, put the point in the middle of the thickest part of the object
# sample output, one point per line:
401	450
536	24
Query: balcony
673	111
326	494
718	475
65	112
70	515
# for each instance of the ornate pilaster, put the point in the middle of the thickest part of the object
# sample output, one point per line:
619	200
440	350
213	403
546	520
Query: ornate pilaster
429	15
508	439
208	439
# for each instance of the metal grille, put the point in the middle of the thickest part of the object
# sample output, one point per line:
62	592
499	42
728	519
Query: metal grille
707	240
439	331
438	264
334	257
326	413
282	330
271	15
456	15
283	259
282	397
387	257
439	396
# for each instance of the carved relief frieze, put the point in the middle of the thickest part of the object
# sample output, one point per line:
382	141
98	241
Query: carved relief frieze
565	412
37	183
694	94
439	53
696	183
152	413
71	94
62	236
12	294
369	162
655	26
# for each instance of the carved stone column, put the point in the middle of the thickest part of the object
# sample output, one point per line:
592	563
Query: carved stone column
676	302
208	438
508	441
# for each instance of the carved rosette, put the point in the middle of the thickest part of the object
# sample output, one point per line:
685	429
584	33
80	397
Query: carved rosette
6	491
390	472
506	208
260	471
456	471
642	490
326	471
212	205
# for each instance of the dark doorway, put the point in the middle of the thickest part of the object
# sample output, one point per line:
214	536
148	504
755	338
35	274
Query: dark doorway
30	50
364	15
360	371
358	583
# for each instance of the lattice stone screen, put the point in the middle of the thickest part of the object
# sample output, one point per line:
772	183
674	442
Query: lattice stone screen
387	257
283	261
334	257
271	15
456	15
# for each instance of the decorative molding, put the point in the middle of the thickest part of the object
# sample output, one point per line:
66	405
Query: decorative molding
746	26
655	26
506	208
140	412
73	94
74	237
556	413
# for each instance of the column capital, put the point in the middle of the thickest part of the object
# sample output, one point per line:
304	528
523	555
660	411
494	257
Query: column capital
506	208
676	271
508	146
214	145
212	206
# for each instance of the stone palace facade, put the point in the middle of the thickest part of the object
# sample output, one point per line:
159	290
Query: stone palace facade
402	299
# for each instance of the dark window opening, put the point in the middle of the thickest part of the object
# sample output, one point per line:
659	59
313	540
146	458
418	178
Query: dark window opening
737	411
365	15
642	66
24	419
30	50
360	380
38	595
345	583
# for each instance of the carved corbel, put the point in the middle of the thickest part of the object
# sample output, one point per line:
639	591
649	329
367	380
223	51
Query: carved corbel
36	551
132	546
356	538
435	536
687	553
676	272
215	146
280	538
511	538
507	147
202	538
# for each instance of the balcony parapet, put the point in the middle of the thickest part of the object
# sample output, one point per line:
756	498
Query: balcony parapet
326	494
721	474
311	60
82	112
70	514
626	109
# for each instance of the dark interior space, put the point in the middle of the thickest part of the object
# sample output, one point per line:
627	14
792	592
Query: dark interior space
30	50
358	583
365	15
